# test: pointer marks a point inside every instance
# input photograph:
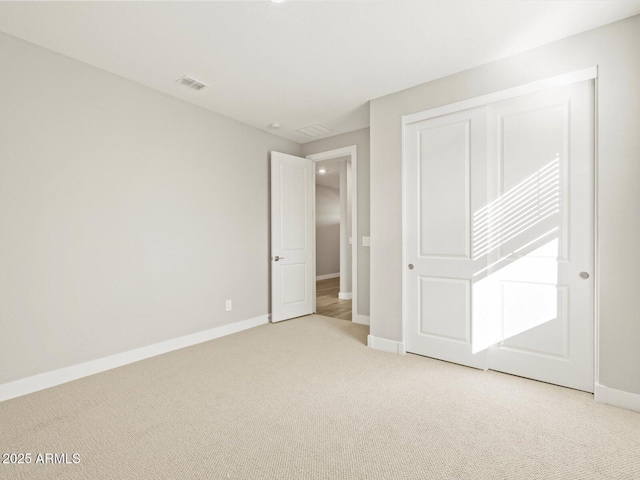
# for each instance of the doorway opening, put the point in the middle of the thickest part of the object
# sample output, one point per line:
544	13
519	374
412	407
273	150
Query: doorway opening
336	229
333	234
293	234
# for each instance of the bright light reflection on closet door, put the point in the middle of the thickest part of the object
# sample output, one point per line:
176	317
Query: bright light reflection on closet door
518	233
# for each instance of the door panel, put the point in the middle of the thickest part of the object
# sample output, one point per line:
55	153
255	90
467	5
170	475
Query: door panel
292	237
293	192
445	154
546	308
444	187
440	300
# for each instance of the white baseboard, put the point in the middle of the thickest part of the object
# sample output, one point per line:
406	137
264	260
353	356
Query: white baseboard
345	295
385	345
361	319
617	398
328	276
41	381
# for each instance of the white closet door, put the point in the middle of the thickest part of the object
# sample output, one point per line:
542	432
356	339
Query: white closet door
540	241
498	244
444	182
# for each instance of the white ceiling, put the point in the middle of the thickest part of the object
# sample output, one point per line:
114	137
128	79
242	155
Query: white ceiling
300	62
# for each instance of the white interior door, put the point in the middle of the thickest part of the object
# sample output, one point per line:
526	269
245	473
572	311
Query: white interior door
292	237
541	238
499	229
446	155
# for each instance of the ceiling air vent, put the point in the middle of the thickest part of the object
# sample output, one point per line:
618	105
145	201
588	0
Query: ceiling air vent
314	130
192	83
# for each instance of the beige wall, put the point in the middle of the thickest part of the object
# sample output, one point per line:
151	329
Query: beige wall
360	138
128	216
327	230
615	50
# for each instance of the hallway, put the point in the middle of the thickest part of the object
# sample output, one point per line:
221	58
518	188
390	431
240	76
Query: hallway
327	301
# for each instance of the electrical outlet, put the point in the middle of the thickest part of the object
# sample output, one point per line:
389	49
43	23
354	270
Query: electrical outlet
227	305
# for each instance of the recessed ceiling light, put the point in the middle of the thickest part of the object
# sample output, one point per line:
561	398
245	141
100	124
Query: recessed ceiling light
322	171
277	1
275	125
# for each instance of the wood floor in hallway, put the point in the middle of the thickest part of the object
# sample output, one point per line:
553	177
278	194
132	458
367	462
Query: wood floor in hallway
327	301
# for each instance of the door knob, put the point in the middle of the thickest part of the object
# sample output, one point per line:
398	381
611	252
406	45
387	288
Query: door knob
411	266
584	275
276	258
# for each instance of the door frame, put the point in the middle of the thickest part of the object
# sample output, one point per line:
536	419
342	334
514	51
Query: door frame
590	73
352	152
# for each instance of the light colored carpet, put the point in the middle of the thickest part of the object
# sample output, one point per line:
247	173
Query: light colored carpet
306	399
